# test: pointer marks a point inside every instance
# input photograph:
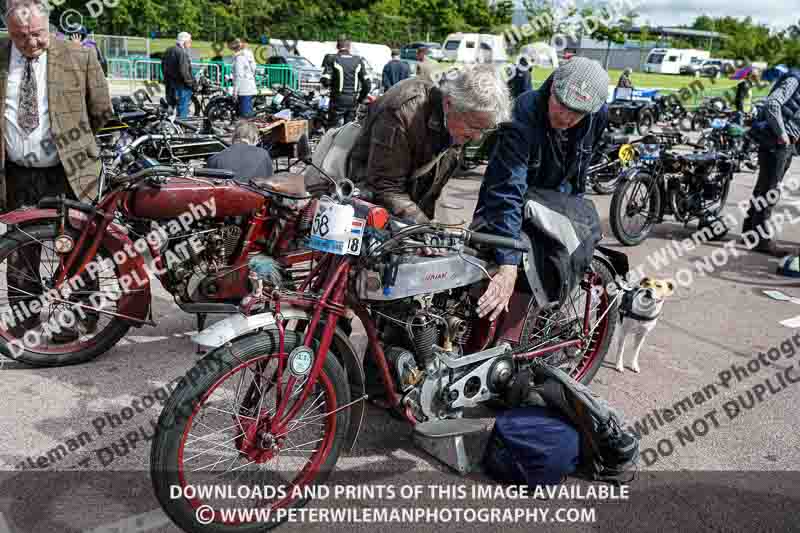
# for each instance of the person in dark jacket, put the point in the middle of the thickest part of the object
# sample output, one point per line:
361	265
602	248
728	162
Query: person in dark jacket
521	81
395	71
346	76
243	157
548	144
177	69
624	81
81	36
777	130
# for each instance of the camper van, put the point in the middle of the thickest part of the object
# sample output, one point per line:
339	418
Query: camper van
670	60
475	48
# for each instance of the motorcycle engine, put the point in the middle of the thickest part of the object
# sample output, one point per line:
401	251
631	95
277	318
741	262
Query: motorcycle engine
413	329
194	258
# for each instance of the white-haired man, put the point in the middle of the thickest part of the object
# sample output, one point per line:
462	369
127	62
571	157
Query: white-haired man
409	146
177	69
56	97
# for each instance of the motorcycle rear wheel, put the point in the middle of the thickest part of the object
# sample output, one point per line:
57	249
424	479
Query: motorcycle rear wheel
229	367
222	113
85	347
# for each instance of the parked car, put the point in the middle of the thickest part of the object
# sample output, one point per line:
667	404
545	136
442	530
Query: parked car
409	52
309	75
692	68
715	68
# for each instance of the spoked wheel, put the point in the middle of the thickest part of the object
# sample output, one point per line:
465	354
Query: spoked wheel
55	329
635	207
219	428
646	122
547	327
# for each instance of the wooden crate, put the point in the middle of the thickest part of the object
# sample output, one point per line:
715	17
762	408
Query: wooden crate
282	131
290	131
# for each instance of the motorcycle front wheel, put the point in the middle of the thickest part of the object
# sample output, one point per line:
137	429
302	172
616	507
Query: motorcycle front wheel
635	207
566	323
53	333
215	431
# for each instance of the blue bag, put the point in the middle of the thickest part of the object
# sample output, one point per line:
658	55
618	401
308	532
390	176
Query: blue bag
532	446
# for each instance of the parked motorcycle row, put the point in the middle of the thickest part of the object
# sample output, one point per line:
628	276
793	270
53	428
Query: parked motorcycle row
662	174
281	382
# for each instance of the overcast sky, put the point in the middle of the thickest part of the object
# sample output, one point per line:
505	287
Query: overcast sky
777	13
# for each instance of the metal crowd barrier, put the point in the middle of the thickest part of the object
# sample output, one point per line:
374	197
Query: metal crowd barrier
143	69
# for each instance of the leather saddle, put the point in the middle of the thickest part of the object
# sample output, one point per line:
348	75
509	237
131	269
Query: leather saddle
287	185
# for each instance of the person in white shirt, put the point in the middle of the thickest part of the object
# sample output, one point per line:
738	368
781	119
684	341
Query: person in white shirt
244	77
55	97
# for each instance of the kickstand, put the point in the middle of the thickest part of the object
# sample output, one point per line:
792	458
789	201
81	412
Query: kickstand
201	324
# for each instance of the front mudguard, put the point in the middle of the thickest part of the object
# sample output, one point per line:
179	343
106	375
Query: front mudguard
635	170
236	326
135	301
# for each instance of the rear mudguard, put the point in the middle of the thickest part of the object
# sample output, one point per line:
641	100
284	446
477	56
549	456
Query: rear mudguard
134	302
616	261
236	326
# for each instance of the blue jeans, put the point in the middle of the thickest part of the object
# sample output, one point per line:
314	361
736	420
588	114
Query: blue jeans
184	97
245	106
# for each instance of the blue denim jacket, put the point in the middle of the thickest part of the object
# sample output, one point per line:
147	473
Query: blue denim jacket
524	157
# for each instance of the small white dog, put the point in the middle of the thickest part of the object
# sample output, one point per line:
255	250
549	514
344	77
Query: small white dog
639	312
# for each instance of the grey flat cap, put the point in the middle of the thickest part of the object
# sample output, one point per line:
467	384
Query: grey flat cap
581	84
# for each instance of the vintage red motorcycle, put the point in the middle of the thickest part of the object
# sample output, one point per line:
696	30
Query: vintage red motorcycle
93	254
282	392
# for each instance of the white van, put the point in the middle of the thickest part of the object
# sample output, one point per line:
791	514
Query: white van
475	48
670	60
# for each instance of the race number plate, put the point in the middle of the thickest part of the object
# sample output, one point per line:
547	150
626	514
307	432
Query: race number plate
331	229
356	234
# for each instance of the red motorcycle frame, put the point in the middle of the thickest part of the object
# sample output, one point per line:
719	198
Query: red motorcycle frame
160	194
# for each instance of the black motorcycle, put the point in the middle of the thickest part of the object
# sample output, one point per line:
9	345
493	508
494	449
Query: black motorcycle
687	186
731	137
204	93
223	109
670	110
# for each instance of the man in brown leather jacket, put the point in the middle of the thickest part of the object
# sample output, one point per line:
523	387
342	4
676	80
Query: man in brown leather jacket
409	147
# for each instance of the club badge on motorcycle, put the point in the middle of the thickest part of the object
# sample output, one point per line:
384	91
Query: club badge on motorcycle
301	360
336	230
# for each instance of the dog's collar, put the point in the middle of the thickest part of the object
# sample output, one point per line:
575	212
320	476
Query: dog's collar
627	303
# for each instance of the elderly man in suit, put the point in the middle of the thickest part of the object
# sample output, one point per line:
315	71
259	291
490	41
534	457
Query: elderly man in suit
56	97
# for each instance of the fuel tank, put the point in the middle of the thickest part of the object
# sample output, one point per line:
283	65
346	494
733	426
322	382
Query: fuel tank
421	275
225	198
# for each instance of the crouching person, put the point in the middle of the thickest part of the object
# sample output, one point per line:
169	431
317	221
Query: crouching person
409	147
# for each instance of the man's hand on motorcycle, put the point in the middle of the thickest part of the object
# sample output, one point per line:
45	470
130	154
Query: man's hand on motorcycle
495	300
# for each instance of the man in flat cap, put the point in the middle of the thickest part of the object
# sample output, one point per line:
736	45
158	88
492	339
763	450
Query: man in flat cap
547	145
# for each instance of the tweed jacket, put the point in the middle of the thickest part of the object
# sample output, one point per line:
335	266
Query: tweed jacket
79	104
